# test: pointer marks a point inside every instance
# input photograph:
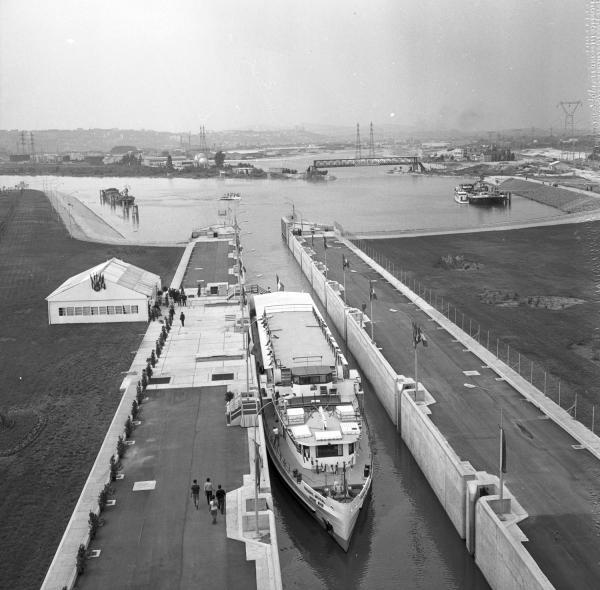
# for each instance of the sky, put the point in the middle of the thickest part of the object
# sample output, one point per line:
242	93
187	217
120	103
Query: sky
174	65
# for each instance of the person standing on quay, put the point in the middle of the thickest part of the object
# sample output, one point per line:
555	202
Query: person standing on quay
196	493
213	509
208	490
182	319
220	493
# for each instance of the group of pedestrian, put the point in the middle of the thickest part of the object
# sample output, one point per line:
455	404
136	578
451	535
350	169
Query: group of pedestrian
178	296
214	499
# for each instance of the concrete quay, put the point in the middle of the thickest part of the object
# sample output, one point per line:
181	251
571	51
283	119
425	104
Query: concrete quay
542	531
153	536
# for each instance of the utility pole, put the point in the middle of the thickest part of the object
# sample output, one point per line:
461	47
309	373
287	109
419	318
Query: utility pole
569	107
371	142
358	150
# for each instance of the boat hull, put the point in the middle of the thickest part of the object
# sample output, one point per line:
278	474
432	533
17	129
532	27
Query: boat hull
338	523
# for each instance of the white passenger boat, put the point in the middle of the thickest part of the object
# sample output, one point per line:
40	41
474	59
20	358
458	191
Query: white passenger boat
231	197
461	196
312	407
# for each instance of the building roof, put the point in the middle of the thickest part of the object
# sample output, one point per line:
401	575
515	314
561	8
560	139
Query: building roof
115	271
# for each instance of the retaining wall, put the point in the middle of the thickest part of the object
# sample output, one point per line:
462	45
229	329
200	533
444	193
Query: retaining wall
446	473
500	554
496	542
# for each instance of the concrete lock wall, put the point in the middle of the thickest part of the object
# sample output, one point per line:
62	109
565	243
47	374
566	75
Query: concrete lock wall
375	367
500	556
497	544
446	473
336	310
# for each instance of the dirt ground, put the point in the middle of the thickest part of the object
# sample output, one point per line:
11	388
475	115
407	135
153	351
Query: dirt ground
69	375
536	289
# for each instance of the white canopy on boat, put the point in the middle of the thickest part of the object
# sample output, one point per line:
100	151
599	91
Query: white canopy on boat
350	427
321	435
302	431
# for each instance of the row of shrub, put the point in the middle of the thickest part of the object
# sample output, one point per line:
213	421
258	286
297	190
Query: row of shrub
95	521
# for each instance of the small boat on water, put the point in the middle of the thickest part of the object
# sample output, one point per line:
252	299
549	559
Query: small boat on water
231	197
462	192
481	193
312	408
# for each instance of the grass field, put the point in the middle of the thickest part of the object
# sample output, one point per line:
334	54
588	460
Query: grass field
68	374
548	264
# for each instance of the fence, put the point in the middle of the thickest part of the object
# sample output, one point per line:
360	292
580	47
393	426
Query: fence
535	372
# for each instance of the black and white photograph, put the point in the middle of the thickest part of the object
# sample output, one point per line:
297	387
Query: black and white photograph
300	295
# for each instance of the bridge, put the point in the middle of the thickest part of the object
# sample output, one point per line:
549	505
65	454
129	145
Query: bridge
412	161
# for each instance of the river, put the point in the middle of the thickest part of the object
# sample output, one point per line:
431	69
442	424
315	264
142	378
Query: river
403	538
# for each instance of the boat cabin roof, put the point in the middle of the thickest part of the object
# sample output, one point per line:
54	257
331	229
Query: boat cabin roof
314	370
292	332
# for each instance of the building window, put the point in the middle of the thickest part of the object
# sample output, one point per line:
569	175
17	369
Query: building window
101	310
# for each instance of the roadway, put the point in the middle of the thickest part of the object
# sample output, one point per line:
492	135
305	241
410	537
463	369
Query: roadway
554	481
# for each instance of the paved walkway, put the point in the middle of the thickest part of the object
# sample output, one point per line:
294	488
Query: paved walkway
154	537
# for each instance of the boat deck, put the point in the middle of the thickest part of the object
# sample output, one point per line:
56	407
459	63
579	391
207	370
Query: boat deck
289	458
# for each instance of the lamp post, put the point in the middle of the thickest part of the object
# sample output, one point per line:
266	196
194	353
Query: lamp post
502	442
70	205
372	295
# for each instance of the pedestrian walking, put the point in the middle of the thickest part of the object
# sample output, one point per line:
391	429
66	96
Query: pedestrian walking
171	312
182	319
184	299
220	493
213	509
208	490
196	493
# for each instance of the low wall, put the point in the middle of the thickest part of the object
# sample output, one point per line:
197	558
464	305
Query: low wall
499	552
446	473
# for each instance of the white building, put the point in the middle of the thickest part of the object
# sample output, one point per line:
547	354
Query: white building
113	291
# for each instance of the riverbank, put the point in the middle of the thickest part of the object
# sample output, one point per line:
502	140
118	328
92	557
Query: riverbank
70	375
570	200
80	169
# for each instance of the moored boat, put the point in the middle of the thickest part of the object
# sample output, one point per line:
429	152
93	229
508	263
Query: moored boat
462	192
231	197
480	193
312	408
